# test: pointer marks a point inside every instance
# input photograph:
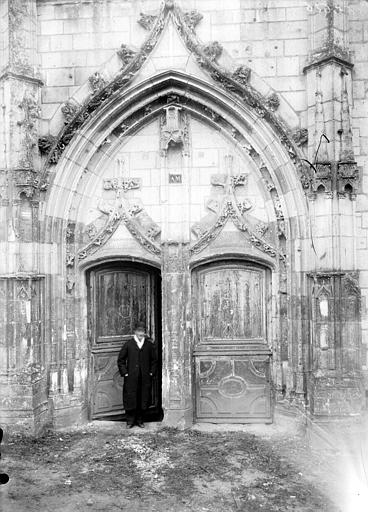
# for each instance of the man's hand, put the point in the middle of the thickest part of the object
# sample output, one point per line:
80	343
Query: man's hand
126	375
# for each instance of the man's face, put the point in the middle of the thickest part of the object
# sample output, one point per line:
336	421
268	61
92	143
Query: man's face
139	333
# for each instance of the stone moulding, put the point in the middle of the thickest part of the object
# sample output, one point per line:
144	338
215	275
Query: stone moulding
229	211
235	83
102	236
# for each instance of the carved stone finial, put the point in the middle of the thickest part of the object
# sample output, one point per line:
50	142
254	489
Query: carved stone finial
300	136
192	18
45	143
242	74
147	20
69	110
126	54
273	102
212	51
169	4
96	82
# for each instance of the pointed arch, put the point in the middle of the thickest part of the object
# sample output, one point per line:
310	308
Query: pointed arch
127	110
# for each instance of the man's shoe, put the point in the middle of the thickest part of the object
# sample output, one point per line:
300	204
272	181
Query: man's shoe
129	425
140	424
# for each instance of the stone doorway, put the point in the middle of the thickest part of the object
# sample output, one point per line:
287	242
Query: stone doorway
231	352
119	295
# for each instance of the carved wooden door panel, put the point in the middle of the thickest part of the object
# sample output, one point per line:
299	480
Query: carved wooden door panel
232	357
118	298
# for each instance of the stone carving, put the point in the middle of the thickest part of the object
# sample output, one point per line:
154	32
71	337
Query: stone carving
147	20
229	211
69	259
174	129
242	75
212	51
213	205
45	143
300	136
229	182
192	18
347	179
69	284
96	82
69	110
31	113
126	54
239	180
91	231
273	102
26	181
323	178
261	228
244	206
123	184
350	283
175	256
227	207
143	239
134	209
69	233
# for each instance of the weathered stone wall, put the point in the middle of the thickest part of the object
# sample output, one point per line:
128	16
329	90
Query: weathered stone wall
303	74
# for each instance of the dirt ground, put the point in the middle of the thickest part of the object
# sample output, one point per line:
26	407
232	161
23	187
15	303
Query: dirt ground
104	467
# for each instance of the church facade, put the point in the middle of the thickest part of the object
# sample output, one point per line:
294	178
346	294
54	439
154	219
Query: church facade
198	166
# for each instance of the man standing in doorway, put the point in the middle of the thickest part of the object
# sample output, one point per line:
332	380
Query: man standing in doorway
137	363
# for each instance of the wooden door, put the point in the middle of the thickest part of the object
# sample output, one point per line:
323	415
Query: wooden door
232	356
118	297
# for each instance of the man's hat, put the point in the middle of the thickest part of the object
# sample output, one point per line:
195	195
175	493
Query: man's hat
140	326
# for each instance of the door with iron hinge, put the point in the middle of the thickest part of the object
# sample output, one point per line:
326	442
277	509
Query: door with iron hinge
119	296
231	351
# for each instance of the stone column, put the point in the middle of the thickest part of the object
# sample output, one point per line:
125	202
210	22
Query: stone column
23	378
177	338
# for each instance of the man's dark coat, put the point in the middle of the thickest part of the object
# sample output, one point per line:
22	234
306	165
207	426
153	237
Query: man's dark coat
131	359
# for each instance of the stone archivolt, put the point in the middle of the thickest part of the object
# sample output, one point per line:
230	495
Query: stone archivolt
146	232
236	83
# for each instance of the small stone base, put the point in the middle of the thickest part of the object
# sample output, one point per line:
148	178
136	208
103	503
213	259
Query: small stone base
179	418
